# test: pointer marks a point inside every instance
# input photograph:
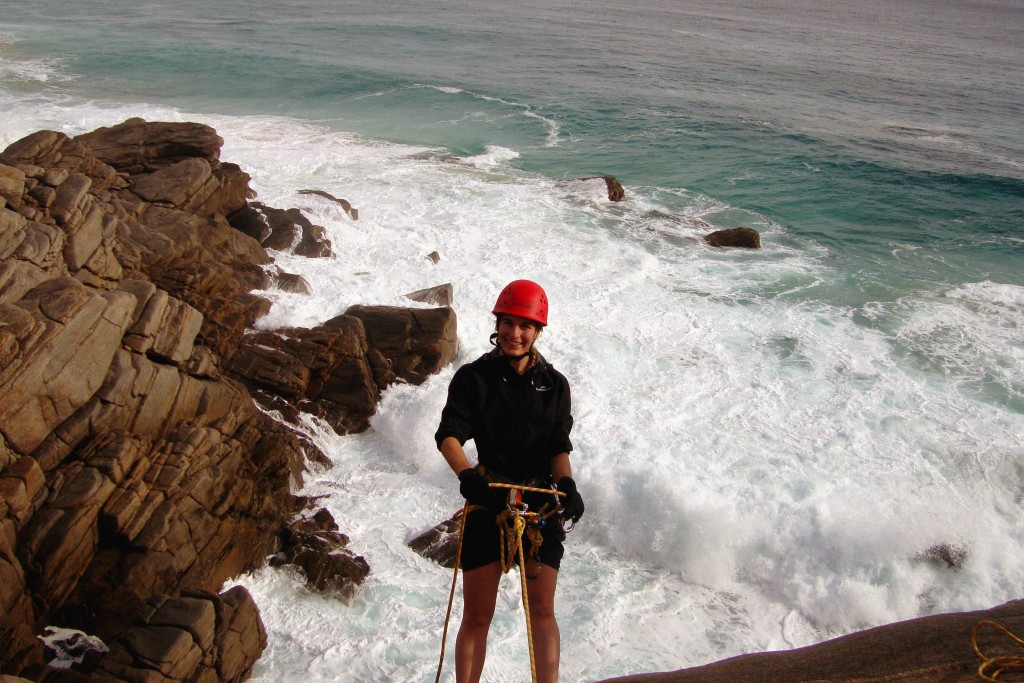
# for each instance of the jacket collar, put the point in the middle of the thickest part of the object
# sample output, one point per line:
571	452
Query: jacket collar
539	365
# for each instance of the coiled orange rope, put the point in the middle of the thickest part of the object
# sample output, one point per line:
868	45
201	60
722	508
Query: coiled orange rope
511	545
991	668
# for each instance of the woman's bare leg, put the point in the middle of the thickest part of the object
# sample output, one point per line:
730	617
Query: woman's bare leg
546	639
479	595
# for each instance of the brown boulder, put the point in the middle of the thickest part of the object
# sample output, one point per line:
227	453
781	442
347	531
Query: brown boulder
67	227
288	282
416	342
12	185
139	146
63	350
194	186
283	230
324	371
747	238
51	157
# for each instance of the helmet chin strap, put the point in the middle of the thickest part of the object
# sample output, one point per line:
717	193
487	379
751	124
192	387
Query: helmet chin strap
494	342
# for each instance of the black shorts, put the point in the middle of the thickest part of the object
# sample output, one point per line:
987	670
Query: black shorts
481	542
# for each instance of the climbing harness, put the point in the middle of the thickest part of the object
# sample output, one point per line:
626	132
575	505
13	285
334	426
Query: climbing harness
515	520
991	668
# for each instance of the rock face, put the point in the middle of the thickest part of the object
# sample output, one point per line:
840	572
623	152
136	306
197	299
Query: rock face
136	472
935	649
336	370
193	637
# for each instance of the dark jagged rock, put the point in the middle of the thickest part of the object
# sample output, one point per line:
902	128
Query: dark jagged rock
441	542
441	295
616	193
283	230
133	463
945	555
319	550
747	238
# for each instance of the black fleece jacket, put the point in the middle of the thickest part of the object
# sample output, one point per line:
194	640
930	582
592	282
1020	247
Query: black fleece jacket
519	422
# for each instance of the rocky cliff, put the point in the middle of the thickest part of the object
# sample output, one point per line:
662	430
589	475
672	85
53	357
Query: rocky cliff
138	471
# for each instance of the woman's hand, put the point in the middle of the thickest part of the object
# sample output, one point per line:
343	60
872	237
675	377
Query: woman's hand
474	488
572	503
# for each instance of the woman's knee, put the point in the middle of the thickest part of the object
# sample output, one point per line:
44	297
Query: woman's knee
477	616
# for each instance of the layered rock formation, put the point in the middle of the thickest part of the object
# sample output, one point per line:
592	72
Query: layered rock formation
137	473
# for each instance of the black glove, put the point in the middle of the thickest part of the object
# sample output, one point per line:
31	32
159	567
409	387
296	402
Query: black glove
572	502
474	488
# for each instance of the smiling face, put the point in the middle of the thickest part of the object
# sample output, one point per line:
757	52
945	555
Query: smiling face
516	335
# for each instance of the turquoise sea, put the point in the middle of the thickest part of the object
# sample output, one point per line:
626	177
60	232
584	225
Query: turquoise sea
770	442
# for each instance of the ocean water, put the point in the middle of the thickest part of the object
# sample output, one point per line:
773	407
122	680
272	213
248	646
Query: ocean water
770	443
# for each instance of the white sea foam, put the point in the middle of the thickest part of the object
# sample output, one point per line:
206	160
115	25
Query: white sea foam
494	156
552	126
1010	296
759	473
15	67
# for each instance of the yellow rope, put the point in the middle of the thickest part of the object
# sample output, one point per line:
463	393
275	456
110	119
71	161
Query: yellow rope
455	576
526	607
532	489
992	668
511	523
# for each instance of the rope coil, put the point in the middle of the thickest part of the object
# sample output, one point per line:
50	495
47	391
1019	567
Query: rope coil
512	522
991	668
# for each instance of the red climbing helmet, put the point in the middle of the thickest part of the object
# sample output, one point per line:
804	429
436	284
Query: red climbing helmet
524	298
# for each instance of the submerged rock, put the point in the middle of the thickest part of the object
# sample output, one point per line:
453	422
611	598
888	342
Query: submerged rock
747	238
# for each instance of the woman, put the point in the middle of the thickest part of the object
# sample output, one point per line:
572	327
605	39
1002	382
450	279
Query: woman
517	409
